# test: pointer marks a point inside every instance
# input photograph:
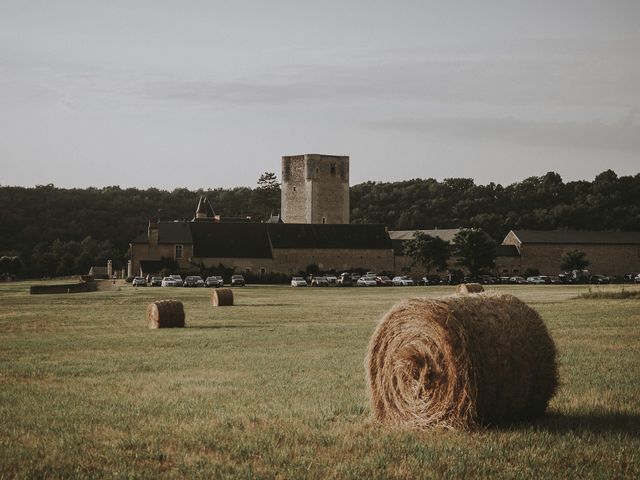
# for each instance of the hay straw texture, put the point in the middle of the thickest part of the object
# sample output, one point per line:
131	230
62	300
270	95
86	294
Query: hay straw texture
460	361
222	297
165	314
469	288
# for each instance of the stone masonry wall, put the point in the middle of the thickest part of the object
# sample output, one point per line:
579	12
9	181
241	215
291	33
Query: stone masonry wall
293	260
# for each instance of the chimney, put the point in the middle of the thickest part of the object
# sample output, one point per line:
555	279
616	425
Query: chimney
153	232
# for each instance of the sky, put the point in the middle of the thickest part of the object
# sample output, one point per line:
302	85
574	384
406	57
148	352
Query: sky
209	94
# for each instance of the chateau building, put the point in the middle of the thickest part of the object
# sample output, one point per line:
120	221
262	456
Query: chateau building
313	228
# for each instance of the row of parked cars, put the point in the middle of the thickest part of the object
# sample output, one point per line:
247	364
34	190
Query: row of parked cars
346	279
214	281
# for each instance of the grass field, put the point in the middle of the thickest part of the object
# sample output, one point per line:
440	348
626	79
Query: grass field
274	388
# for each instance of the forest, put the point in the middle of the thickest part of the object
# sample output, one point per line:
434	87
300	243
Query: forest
45	229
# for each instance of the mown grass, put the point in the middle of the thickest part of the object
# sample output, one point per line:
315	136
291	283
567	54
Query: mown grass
274	388
622	294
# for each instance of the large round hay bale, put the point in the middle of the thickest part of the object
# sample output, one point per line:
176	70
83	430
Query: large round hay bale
165	314
465	288
460	361
222	297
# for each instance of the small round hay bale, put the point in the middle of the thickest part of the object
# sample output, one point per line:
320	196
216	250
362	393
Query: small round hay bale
165	314
222	297
460	361
465	288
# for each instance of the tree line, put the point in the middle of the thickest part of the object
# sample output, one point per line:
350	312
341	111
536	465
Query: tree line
44	225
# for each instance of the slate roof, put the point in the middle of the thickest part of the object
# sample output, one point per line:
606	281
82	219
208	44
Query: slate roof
256	240
578	237
174	232
398	237
446	234
151	266
357	237
204	207
233	240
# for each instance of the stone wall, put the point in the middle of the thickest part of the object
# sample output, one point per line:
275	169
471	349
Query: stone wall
148	251
315	189
603	259
241	265
293	260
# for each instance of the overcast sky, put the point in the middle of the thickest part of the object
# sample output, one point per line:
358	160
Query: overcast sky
212	93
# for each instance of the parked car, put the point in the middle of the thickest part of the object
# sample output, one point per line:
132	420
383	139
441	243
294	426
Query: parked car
599	279
298	282
345	280
169	282
332	280
518	280
536	280
178	280
156	281
214	281
193	281
630	277
367	281
637	278
402	281
384	281
139	282
319	282
237	281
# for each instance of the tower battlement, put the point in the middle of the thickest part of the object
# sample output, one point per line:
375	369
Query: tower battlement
315	189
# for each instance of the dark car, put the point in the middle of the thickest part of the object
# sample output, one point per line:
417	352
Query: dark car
156	281
237	281
193	281
319	282
599	279
384	281
214	281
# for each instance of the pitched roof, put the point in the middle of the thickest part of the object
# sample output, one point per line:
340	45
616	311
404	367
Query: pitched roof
398	237
577	237
204	208
230	240
446	234
174	232
329	236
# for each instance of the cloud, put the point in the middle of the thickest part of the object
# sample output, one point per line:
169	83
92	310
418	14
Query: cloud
623	135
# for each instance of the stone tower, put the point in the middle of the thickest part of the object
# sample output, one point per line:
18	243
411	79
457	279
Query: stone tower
315	189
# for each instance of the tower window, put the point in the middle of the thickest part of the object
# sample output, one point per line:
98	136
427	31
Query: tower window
178	251
324	220
333	168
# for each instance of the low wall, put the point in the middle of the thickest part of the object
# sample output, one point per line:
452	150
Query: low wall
64	288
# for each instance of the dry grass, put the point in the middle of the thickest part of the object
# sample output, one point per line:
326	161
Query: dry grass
274	388
460	360
222	297
465	288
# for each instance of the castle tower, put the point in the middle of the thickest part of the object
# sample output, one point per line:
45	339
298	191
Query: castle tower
315	189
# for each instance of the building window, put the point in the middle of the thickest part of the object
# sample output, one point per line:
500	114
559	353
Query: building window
178	251
333	168
324	220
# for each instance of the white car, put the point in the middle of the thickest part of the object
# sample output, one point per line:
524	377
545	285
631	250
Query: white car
332	279
402	281
178	280
169	282
637	278
367	281
536	280
298	282
139	282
